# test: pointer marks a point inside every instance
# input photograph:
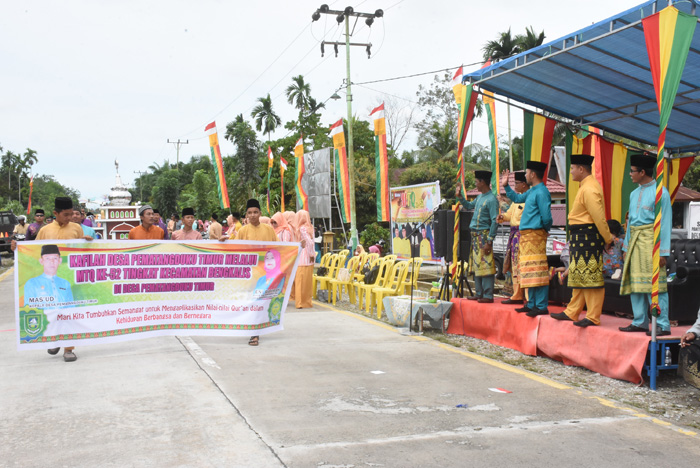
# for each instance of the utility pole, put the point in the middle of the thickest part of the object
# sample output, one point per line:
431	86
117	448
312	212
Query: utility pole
178	144
140	173
345	15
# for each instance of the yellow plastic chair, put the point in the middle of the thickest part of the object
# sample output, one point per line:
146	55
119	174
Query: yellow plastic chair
368	258
336	285
322	280
363	290
413	270
392	287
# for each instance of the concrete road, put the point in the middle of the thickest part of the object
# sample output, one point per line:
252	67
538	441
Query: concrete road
333	390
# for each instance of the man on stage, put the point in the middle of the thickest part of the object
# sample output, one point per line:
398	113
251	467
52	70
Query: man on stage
639	243
483	231
512	258
589	235
535	223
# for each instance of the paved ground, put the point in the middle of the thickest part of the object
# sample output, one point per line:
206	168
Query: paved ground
333	390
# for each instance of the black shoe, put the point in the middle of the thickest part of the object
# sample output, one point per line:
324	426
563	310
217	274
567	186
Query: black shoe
473	298
523	309
659	332
536	312
584	323
512	301
53	351
561	316
485	300
633	328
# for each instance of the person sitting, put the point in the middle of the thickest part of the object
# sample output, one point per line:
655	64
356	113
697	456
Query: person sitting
612	258
689	356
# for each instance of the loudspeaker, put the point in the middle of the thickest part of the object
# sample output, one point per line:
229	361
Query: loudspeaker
465	235
443	226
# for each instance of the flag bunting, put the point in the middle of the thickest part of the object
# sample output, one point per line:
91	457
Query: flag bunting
381	163
218	164
538	133
341	169
302	197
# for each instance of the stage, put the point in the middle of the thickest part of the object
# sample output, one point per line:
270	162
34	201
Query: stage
603	349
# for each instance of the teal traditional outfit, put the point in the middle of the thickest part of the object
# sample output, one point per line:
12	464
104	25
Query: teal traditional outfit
639	242
483	229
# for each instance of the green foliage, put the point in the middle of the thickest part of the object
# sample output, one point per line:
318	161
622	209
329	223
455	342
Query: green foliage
372	234
201	194
14	206
266	120
166	193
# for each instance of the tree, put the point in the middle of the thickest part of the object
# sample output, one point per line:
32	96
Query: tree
266	120
399	119
529	40
247	157
166	192
26	161
298	93
200	194
505	46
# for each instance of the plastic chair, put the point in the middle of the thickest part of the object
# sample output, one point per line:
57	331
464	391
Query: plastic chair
393	286
368	258
336	285
322	280
363	290
413	270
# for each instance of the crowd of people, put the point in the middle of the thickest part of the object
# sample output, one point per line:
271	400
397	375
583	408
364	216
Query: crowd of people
71	222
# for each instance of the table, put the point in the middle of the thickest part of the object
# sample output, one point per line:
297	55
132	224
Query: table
396	308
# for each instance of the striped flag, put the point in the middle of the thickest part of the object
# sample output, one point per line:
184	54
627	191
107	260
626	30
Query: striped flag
668	35
31	189
302	197
675	171
381	163
218	164
493	137
341	169
537	138
270	160
283	167
457	85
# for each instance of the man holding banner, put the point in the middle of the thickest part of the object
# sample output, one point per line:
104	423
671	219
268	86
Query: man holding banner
639	238
483	231
535	224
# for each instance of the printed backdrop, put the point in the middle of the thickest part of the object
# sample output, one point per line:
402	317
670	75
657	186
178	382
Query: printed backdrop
410	206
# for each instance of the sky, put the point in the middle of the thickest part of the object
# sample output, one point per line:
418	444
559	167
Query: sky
87	82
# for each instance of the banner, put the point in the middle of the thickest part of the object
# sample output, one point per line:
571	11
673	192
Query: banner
82	293
410	207
302	197
381	163
341	169
31	189
218	164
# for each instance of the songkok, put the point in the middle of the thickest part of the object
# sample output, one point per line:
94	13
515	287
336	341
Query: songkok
143	208
582	159
483	175
236	215
48	249
156	211
63	203
537	166
38	212
252	203
519	176
187	212
643	161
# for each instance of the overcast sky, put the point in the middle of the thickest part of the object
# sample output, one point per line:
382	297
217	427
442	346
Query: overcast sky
85	82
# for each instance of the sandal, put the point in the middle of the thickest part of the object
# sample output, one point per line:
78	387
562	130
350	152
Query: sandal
69	356
254	341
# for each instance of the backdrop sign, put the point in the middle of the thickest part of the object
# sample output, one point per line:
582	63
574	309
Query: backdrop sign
410	206
316	181
102	291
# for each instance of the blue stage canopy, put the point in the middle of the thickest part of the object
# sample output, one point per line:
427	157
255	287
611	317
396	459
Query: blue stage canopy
600	76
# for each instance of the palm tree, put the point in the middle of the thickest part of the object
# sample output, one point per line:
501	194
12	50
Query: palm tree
505	46
315	106
24	162
299	93
529	40
266	120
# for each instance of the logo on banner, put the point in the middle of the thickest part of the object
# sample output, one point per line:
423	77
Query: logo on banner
33	323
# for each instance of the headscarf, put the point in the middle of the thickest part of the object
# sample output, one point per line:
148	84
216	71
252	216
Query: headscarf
304	221
359	250
277	270
291	218
265	220
374	249
282	225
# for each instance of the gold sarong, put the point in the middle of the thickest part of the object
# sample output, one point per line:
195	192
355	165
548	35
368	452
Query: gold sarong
638	268
534	269
481	264
586	247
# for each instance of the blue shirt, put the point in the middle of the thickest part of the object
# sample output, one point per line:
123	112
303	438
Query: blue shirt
537	213
44	292
642	204
485	208
88	231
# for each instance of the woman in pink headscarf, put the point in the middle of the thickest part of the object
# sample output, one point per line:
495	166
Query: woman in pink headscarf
291	218
305	270
282	229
